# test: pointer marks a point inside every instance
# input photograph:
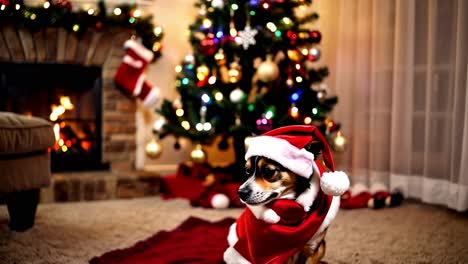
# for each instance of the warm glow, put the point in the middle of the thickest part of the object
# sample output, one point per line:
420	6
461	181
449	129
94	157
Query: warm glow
233	32
199	126
157	30
207	23
339	139
57	132
156	46
207	126
180	112
271	26
178	68
307	120
212	80
46	5
294	111
185	125
66	103
137	13
90	11
117	11
17	7
233	75
219	96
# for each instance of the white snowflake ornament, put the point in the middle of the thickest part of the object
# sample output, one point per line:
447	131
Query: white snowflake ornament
247	36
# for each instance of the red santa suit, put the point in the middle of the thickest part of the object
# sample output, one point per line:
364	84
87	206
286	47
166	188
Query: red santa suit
251	239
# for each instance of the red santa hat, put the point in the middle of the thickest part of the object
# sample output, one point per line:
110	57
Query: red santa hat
286	145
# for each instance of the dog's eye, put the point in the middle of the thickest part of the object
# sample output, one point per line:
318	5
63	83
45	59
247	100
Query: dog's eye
269	173
248	170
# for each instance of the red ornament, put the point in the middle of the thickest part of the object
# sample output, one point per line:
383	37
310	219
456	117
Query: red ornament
208	46
292	36
315	36
99	25
264	124
64	4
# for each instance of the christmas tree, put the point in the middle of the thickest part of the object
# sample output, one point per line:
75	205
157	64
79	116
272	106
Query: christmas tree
253	68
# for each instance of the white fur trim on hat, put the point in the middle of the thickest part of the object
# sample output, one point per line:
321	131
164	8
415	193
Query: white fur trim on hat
334	183
139	49
219	201
152	97
297	160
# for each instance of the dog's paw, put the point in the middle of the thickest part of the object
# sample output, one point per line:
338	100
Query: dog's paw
271	216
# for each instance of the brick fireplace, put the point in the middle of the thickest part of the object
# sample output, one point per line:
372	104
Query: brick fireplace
94	49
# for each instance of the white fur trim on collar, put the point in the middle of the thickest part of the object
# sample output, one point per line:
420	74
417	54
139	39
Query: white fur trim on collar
300	161
139	49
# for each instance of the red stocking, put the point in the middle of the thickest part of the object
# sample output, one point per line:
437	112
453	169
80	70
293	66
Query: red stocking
130	74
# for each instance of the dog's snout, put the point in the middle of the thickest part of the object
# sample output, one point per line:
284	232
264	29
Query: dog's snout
244	193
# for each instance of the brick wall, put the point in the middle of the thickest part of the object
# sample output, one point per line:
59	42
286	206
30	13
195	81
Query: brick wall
104	49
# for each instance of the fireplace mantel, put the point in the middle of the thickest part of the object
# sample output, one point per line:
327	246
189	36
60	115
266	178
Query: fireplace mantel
102	49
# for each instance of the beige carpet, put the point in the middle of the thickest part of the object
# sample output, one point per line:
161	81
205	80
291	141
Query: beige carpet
75	232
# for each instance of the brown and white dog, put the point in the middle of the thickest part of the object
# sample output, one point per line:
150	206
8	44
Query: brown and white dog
288	206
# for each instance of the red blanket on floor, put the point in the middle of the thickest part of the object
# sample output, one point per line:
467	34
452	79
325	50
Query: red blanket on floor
194	241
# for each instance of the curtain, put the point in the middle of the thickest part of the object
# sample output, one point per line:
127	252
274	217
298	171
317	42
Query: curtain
399	68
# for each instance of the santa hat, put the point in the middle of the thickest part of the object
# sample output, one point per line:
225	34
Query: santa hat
286	145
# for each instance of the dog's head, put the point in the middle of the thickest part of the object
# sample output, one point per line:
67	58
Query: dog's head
269	180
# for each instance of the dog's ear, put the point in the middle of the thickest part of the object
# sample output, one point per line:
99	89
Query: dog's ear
315	147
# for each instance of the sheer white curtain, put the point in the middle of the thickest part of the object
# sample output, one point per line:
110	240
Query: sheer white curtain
399	68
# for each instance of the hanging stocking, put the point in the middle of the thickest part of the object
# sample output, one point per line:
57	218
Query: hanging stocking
130	74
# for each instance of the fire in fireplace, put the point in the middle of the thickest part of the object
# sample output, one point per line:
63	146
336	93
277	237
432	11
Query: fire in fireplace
67	95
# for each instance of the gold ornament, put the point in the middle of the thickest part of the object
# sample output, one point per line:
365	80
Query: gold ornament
268	70
294	55
153	149
220	57
198	155
234	72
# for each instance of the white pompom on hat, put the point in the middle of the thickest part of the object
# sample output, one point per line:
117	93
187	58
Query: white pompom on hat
286	145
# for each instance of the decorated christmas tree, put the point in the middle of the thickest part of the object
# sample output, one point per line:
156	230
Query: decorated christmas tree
253	68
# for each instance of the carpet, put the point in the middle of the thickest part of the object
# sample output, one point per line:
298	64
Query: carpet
194	241
77	232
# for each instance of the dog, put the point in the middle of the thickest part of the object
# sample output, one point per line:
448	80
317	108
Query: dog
269	182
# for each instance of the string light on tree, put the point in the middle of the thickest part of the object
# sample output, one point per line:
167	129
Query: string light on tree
236	95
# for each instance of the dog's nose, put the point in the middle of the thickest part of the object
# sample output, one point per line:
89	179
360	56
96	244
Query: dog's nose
244	193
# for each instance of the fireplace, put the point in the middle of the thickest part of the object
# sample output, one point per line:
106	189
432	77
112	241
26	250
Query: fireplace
69	96
82	69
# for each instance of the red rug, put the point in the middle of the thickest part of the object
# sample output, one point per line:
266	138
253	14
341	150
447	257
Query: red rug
194	241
